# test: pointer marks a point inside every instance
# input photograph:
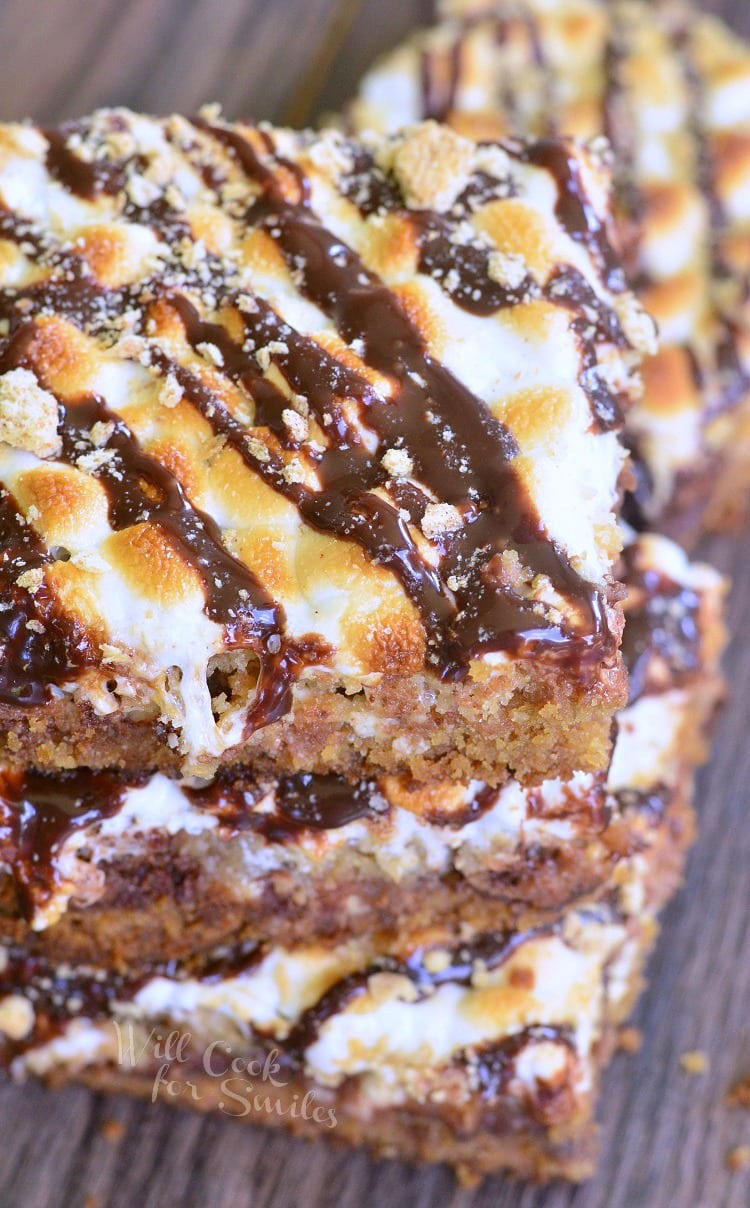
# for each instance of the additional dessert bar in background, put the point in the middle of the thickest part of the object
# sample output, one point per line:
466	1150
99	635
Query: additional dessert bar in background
670	88
147	870
298	468
485	1053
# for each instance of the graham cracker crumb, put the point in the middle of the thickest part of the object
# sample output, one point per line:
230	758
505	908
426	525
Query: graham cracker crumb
170	393
384	987
295	424
100	432
507	269
480	975
739	1095
440	519
257	448
113	1130
437	960
28	415
694	1062
397	463
738	1158
630	1040
432	165
639	327
16	1017
31	580
211	353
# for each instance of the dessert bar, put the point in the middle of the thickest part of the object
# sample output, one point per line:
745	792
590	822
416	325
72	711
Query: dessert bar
670	88
299	469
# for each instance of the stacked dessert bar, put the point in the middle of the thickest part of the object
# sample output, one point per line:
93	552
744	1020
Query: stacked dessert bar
322	744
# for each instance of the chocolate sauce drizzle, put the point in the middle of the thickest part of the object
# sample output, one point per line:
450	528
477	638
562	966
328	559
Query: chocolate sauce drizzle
38	646
39	812
302	802
491	950
462	270
59	996
574	208
662	627
440	77
86	178
461	453
141	490
494	1064
459	450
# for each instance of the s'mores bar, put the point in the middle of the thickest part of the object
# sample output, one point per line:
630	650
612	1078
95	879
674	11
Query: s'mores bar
146	870
299	468
670	88
484	1052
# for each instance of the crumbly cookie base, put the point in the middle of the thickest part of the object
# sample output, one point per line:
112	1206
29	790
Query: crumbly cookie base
533	720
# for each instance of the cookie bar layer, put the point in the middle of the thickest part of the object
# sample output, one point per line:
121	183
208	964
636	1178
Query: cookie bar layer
669	87
148	870
292	479
486	1053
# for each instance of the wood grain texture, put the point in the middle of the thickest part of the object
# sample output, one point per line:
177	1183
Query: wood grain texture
665	1134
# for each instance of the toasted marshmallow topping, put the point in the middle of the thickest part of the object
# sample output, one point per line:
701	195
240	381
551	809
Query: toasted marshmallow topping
272	406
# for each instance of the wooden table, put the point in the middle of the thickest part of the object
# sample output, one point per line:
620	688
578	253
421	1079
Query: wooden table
665	1133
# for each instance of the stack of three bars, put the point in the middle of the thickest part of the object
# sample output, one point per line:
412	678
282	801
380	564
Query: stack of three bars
311	631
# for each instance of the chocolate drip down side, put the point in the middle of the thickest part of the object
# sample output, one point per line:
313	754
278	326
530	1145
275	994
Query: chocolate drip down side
662	627
38	646
39	812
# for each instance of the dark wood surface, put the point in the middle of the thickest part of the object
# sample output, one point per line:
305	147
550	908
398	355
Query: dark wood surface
665	1134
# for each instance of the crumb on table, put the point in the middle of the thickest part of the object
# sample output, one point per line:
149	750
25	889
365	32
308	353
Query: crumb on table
694	1062
738	1158
630	1040
113	1130
739	1095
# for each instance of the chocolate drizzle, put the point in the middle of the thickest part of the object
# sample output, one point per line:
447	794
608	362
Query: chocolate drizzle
662	630
573	207
86	178
459	450
440	76
302	802
142	490
462	270
495	1064
57	997
322	802
38	647
490	951
651	803
38	813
